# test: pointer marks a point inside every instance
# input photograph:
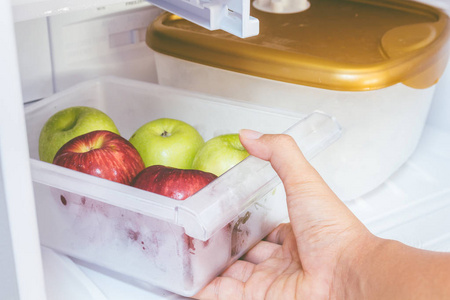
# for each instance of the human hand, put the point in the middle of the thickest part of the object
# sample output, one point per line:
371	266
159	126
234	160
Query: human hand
303	259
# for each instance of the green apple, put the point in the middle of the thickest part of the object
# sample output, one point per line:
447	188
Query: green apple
168	142
68	124
220	154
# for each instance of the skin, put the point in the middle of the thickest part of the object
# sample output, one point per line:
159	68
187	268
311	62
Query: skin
325	252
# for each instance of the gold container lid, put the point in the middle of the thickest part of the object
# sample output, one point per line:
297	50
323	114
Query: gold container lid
348	45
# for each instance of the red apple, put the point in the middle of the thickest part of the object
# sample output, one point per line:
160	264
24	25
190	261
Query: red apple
172	182
103	154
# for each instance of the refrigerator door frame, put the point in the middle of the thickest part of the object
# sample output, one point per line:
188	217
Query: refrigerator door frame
23	275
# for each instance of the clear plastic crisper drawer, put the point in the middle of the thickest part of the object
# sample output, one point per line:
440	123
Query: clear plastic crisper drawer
177	245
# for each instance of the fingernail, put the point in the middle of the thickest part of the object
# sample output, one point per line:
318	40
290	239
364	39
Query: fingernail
250	134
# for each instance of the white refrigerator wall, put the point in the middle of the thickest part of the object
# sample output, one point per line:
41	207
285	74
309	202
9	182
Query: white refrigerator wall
440	108
106	41
439	115
60	50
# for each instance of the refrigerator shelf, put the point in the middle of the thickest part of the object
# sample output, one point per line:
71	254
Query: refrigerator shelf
413	205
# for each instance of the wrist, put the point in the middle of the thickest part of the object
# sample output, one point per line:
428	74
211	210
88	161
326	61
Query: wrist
354	265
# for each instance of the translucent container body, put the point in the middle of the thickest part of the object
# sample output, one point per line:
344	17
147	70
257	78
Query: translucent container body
146	238
381	128
370	64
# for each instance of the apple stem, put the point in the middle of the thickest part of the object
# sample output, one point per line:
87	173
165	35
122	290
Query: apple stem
165	133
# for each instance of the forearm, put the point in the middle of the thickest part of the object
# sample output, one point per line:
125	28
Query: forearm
391	270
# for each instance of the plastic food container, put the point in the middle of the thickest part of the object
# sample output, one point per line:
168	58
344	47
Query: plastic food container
151	239
371	64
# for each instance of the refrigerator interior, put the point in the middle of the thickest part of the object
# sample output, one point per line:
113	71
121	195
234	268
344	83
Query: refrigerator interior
106	38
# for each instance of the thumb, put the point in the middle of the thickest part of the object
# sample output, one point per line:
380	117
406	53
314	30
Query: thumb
309	198
287	160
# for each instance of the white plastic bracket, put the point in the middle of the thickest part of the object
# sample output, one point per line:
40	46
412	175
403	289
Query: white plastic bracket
232	16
